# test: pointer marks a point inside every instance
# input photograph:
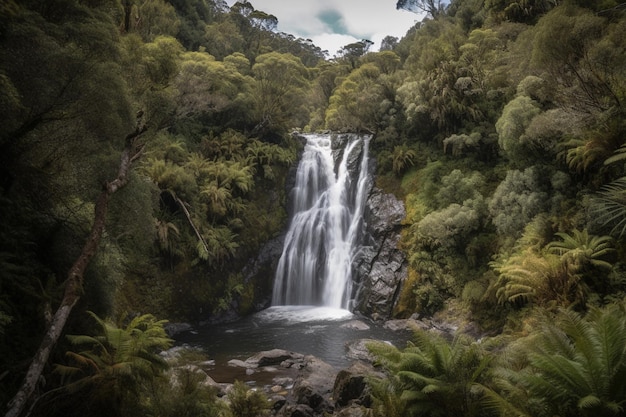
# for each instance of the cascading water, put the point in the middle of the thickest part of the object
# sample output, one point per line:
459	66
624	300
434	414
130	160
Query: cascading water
315	267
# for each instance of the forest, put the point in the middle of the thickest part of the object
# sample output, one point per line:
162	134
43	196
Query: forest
144	152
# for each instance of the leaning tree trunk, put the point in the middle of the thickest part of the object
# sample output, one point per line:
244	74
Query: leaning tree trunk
74	282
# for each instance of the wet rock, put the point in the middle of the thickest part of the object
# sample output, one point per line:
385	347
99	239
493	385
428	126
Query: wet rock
314	385
172	329
358	350
283	381
355	325
277	401
382	267
238	363
273	357
405	324
351	385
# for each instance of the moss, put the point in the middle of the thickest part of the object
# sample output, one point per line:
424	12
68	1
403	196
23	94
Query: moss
407	303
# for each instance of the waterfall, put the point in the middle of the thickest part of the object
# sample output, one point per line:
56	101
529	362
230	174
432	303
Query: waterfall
315	267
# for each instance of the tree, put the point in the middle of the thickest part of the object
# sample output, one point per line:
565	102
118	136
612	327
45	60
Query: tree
516	117
355	105
517	200
280	80
74	283
388	43
206	86
434	8
353	51
155	18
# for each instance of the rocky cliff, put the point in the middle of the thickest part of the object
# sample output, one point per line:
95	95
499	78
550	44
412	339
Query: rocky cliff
382	268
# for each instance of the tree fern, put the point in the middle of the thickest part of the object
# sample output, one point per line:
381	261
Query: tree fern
580	249
434	377
578	365
608	207
112	365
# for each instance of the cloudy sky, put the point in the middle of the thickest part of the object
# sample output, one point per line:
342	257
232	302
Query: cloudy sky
331	24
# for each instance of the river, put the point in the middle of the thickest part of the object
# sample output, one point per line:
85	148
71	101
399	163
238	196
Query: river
318	331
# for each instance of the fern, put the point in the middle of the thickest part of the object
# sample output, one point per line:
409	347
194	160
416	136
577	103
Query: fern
579	363
608	207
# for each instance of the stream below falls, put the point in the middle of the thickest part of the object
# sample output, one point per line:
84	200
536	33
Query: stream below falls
317	331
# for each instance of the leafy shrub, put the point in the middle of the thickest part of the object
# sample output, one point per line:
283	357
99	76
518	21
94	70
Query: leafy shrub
517	200
246	402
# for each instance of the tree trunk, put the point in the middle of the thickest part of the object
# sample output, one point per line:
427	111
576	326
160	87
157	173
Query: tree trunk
74	282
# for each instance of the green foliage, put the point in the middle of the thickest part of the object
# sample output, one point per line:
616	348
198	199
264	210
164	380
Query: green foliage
403	158
185	394
110	370
581	250
516	117
219	88
608	207
517	200
278	92
355	105
246	402
576	364
450	226
433	377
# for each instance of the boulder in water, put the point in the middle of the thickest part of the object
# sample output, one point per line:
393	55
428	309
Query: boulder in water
273	357
355	325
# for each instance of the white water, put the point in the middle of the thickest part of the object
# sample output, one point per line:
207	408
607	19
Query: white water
315	267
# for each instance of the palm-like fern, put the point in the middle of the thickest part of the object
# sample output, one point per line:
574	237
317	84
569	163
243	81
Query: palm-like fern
535	277
578	366
114	364
435	377
581	249
403	157
608	207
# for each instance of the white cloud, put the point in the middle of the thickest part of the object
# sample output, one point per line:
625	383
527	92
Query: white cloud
332	24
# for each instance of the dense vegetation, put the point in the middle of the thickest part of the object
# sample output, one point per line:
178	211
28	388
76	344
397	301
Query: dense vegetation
500	123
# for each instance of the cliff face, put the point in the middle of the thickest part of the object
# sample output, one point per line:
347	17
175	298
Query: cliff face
382	267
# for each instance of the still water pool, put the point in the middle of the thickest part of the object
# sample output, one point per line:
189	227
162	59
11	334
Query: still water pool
319	331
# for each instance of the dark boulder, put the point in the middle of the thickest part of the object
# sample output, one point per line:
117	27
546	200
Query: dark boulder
351	385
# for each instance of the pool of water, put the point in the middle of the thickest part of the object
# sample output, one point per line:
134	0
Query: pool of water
318	331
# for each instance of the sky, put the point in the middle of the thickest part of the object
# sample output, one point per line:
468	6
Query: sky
331	24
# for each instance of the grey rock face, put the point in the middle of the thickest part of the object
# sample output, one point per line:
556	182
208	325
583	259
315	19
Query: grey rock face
382	267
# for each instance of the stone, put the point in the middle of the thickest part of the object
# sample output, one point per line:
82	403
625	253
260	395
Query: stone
355	325
273	357
172	329
351	385
405	324
314	385
278	401
238	363
358	350
382	266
